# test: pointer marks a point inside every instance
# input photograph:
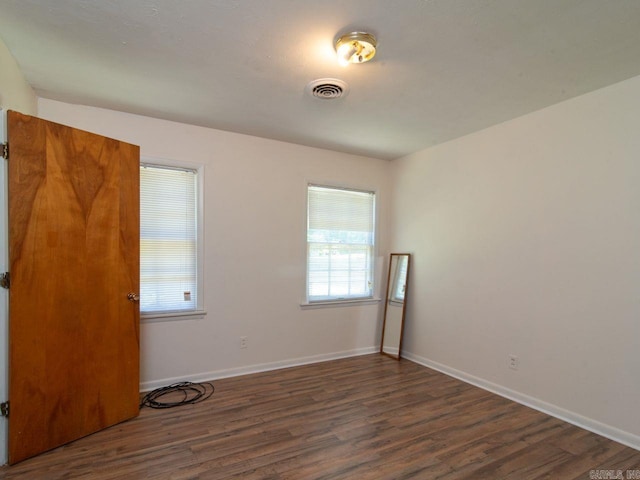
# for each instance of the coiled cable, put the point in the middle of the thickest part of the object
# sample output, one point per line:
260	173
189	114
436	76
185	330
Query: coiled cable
191	392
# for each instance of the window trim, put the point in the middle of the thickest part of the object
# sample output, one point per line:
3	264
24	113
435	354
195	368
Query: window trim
339	303
200	311
307	304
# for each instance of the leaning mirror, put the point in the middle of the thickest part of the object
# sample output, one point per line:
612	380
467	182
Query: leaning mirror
394	308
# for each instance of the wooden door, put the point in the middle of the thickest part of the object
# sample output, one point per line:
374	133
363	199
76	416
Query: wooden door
74	258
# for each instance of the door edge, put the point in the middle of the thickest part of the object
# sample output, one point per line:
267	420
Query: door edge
4	295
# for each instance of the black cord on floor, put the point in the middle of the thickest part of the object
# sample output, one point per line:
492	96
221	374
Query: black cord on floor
192	393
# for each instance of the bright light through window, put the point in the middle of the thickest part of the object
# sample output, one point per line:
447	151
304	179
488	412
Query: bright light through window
168	239
340	244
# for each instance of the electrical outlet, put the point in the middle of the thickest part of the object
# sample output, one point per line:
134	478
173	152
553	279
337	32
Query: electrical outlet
243	342
513	362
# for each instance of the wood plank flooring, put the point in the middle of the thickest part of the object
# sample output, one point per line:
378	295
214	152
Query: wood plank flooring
368	417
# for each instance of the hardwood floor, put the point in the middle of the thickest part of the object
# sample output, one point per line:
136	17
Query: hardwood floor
368	417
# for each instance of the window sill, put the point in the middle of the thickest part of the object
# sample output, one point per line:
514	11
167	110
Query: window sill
170	316
338	303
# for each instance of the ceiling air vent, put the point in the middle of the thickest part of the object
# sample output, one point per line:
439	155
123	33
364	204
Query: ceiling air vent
328	88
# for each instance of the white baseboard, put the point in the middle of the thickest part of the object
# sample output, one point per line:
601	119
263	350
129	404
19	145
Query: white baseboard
262	367
612	433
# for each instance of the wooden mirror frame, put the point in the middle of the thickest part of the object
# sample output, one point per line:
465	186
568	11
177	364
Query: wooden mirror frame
388	299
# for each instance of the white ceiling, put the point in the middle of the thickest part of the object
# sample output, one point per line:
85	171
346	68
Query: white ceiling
444	68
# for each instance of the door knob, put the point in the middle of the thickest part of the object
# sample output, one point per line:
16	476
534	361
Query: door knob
133	297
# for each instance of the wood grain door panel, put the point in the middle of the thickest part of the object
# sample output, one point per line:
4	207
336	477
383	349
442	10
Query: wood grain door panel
74	257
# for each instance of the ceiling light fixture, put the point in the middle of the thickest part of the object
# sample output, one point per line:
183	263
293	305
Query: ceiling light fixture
355	47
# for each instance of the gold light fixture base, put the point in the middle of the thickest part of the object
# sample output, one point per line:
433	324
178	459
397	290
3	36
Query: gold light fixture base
356	47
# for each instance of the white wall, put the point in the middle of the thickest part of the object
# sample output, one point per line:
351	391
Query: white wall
255	250
15	92
527	242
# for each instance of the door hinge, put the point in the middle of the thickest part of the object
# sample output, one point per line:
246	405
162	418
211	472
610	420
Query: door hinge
4	150
4	409
5	280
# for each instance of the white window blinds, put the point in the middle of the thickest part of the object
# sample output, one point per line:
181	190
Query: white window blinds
168	239
340	243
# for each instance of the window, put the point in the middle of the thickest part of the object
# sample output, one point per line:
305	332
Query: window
169	240
340	244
